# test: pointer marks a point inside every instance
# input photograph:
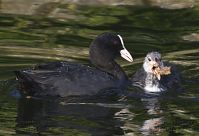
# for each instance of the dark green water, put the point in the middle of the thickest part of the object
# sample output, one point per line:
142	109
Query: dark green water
57	31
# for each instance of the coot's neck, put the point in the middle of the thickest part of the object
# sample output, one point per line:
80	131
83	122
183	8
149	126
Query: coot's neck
152	84
118	72
151	80
112	68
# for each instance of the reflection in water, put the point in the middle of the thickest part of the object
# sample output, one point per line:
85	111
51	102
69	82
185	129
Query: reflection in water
126	116
152	125
35	31
84	116
71	118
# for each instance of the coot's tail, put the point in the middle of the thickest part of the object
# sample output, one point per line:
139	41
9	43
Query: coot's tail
26	84
23	77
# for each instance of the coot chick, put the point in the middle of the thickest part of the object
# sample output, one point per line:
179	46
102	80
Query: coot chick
73	79
146	77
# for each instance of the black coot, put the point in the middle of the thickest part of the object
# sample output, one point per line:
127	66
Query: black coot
72	79
146	79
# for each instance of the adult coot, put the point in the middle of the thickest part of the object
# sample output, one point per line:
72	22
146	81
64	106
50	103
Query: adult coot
72	79
148	79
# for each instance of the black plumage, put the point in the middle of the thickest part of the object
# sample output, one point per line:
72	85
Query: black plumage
70	78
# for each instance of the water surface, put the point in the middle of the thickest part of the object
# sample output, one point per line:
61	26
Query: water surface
34	32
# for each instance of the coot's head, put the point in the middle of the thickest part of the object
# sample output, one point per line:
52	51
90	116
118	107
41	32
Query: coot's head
152	61
106	47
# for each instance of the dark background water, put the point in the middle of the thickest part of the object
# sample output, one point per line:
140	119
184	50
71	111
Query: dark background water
33	32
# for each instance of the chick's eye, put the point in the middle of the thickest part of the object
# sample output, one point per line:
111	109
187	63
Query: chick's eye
149	59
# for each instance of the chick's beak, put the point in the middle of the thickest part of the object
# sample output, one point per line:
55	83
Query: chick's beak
126	55
155	69
154	65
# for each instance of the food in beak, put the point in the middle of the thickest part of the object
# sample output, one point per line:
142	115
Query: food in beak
158	71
